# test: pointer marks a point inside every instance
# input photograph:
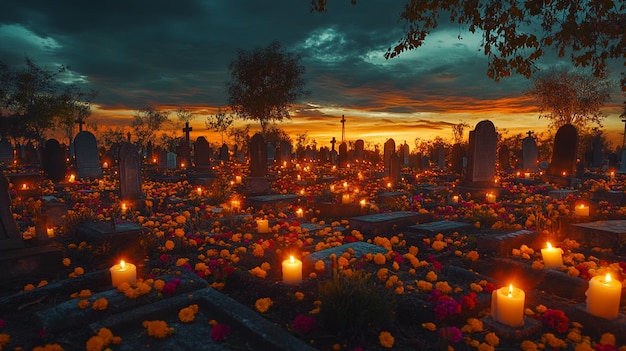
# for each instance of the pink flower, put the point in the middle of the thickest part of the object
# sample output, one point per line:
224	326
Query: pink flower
220	332
304	324
452	334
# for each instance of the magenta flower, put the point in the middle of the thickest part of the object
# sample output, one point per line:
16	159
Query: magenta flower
451	334
220	332
304	324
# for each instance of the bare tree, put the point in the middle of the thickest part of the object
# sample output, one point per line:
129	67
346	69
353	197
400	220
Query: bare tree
220	122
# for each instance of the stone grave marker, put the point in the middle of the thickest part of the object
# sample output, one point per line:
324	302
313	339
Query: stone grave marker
596	147
224	154
444	227
87	156
10	237
258	156
6	151
388	222
501	244
456	158
564	152
201	153
389	149
360	249
171	160
183	155
504	158
530	153
604	234
286	150
54	161
130	173
394	168
31	155
404	154
343	155
359	146
481	164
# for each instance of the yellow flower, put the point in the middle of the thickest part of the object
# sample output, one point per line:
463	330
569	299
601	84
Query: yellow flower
179	232
299	296
258	272
492	339
424	285
266	266
472	256
386	339
85	293
444	287
263	304
181	262
607	339
429	326
528	345
382	274
181	219
485	347
4	339
100	304
188	314
49	347
320	266
29	287
169	245
79	271
157	329
439	245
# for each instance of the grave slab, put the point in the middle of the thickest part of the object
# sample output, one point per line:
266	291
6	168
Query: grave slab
606	234
123	240
390	222
444	227
502	244
337	211
561	193
272	200
30	261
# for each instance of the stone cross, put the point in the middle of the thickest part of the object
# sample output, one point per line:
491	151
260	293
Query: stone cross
186	130
343	128
530	134
128	136
80	121
333	142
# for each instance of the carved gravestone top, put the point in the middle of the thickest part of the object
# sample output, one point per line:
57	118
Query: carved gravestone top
171	160
359	147
9	232
87	156
258	156
456	158
530	153
564	152
201	153
130	173
343	155
389	149
394	168
481	163
54	161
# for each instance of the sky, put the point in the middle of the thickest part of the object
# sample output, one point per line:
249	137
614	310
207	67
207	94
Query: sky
176	54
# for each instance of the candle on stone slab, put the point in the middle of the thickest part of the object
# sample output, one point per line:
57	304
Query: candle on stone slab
552	257
24	186
603	297
199	190
612	175
299	213
345	199
491	198
527	175
235	204
262	225
105	164
123	273
299	177
237	179
292	271
332	188
50	232
581	210
72	178
507	306
124	208
363	203
455	199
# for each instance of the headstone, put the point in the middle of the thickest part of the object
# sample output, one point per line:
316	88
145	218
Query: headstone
162	161
440	156
31	155
394	168
596	147
9	232
271	153
389	149
54	164
149	151
285	151
563	162
201	153
171	160
258	156
324	155
343	155
359	146
530	153
504	158
6	151
224	154
622	165
481	164
186	130
183	155
130	173
87	156
404	154
456	158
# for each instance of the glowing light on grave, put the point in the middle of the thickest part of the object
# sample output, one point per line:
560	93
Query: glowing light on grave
603	296
123	273
262	226
581	210
491	198
552	257
238	179
299	213
72	178
507	306
292	271
455	199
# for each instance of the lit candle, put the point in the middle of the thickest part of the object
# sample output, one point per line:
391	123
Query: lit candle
507	306
182	165
101	184
50	232
292	271
299	213
491	198
345	185
235	204
363	203
237	179
581	210
455	199
124	208
262	225
612	175
332	188
24	186
527	175
199	191
552	257
345	198
603	297
388	185
72	178
105	164
123	273
154	160
299	178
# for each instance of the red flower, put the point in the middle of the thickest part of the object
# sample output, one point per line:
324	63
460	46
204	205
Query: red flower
556	319
220	332
304	324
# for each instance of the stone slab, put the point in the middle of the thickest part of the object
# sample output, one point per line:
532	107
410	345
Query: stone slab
531	327
249	330
386	223
561	194
605	234
338	211
360	248
30	262
444	227
122	241
596	325
273	200
502	244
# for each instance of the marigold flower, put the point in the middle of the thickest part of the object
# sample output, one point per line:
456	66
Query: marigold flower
85	293
266	266
380	259
472	256
188	314
4	339
29	287
157	329
492	339
79	271
169	245
431	276
299	296
429	326
386	339
100	304
320	266
263	304
67	262
607	339
83	303
258	272
49	347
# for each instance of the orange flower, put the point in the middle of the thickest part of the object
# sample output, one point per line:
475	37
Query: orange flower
100	304
83	303
157	329
169	245
188	314
263	304
386	339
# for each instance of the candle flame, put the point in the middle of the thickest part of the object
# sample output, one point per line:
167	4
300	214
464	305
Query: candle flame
581	205
510	290
549	246
291	260
607	278
123	264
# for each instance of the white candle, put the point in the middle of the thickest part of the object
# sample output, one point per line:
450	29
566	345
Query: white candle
552	257
527	175
345	198
105	165
72	178
299	213
199	191
455	199
50	232
491	198
237	179
581	210
363	203
612	175
507	306
124	208
292	271
299	178
603	297
235	204
123	273
262	225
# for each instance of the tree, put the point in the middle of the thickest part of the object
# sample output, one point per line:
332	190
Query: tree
220	122
75	107
265	82
570	97
240	135
457	131
516	33
146	123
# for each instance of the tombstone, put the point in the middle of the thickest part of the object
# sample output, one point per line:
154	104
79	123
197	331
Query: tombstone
162	159
530	153
394	168
359	146
53	163
87	156
481	163
404	154
6	151
456	158
504	158
183	155
612	161
440	156
130	173
285	151
324	155
224	154
10	237
171	160
186	130
343	155
424	162
201	153
271	153
31	155
596	150
311	154
563	162
149	151
389	149
258	156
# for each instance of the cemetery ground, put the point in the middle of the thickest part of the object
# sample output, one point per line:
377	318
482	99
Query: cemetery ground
409	268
